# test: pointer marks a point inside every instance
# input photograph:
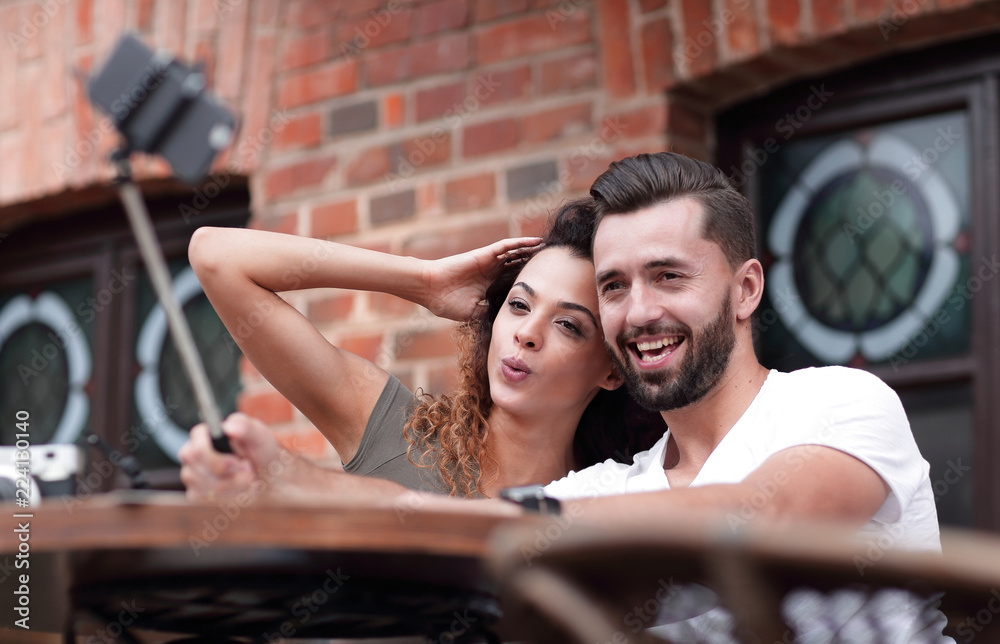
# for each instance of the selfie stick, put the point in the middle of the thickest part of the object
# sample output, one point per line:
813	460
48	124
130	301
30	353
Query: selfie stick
160	106
152	255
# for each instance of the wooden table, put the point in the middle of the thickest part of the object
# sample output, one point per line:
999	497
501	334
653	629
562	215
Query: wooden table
155	562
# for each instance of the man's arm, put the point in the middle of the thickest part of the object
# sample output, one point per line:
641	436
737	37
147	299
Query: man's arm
799	483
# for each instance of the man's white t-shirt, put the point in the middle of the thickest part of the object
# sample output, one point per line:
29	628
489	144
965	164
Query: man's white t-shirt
849	410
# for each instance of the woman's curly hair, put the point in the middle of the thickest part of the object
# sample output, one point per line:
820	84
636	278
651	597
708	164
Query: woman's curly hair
450	431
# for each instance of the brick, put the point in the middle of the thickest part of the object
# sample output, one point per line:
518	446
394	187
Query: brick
298	176
445	54
686	122
502	86
349	119
389	305
741	32
867	10
531	180
582	169
436	343
530	35
334	79
369	31
435	244
658	69
435	102
784	19
266	406
441	16
393	207
206	16
204	53
84	18
637	123
300	132
422	151
285	223
485	10
309	48
828	17
257	100
470	193
144	14
443	379
371	164
170	25
556	123
367	346
393	110
651	5
400	159
573	72
427	196
699	49
331	309
332	219
306	14
487	138
614	34
308	442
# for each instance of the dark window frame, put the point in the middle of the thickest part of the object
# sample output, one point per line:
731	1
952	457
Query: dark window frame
94	243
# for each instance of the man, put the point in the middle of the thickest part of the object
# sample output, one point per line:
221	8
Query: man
678	282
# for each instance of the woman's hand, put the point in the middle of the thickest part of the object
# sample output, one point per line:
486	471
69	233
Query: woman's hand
456	285
256	468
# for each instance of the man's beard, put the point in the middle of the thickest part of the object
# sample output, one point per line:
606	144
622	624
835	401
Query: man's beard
706	360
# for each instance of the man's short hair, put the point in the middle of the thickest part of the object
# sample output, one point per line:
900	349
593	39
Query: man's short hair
645	180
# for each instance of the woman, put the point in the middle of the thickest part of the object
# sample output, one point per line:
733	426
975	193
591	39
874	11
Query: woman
533	367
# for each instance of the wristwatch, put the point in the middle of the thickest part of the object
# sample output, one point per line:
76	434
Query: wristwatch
532	498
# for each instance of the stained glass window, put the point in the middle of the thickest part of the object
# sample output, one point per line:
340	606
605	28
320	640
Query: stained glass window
46	359
866	245
163	407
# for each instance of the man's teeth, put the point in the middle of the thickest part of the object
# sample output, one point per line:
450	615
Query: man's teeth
643	347
657	344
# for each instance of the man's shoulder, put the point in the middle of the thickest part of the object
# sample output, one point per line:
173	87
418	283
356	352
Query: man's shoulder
832	379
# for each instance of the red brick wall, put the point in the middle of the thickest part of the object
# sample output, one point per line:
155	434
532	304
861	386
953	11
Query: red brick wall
425	127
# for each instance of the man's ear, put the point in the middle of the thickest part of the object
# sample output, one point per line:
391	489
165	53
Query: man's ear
613	380
751	288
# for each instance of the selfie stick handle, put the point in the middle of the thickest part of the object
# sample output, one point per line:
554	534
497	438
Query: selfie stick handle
152	255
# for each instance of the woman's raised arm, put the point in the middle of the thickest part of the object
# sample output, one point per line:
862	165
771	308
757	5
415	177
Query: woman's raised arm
242	271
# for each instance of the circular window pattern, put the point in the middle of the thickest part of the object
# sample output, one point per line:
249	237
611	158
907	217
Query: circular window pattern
863	255
46	363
